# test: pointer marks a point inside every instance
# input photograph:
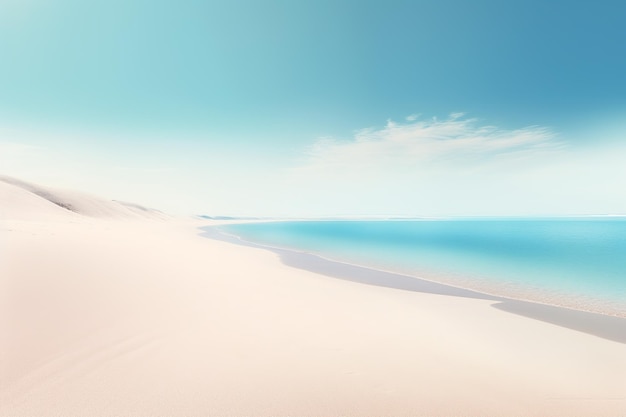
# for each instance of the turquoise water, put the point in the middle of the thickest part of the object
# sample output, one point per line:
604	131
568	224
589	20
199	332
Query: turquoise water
578	263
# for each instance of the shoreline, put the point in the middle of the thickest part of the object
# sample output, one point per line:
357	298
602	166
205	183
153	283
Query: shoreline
606	326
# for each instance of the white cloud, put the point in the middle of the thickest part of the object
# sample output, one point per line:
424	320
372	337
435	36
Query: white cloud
418	143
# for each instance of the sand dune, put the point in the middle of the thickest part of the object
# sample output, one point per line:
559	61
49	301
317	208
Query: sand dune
18	203
26	201
102	314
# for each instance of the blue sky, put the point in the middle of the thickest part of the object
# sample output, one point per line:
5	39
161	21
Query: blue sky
234	106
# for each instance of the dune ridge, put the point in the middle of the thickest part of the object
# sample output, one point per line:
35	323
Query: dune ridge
24	200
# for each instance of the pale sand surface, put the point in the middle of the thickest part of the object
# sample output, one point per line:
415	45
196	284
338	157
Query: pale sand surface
118	316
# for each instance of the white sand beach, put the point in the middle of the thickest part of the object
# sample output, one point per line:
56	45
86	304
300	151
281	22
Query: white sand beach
110	309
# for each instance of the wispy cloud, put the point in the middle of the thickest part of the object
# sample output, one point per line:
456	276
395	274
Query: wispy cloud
13	152
14	147
456	139
147	170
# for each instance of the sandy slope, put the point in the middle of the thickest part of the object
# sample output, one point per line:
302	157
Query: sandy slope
26	201
106	316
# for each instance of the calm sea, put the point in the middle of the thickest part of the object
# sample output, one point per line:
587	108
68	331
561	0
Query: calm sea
579	263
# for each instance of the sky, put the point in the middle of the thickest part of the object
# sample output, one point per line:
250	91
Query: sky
320	108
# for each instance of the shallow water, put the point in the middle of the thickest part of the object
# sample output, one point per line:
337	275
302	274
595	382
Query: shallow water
578	263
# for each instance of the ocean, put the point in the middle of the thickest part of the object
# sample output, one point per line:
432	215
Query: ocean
572	262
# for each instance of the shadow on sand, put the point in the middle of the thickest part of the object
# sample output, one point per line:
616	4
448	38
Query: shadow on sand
600	325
